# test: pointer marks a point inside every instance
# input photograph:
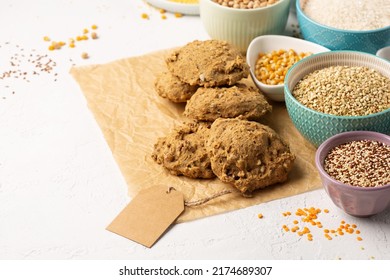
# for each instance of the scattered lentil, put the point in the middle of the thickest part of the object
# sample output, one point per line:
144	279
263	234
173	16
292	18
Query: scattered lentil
272	67
246	4
363	163
347	14
344	91
310	216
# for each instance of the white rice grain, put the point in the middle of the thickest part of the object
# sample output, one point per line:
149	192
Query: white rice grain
356	15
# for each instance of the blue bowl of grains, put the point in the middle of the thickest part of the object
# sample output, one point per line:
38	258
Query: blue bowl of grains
337	91
345	25
355	171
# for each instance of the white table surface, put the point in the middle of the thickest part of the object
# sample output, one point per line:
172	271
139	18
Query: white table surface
59	184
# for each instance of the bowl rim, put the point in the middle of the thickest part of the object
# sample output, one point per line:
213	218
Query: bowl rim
300	11
357	135
313	56
270	36
245	10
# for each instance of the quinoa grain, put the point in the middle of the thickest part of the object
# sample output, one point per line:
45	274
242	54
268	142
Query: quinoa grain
363	163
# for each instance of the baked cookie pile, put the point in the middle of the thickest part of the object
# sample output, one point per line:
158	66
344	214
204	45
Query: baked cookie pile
224	137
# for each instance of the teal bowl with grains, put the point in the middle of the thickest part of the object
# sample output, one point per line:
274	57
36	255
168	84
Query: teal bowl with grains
307	110
343	25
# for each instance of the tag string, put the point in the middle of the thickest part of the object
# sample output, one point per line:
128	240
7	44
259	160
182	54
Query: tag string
203	200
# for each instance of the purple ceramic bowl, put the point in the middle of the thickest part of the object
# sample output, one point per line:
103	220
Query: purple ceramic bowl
354	200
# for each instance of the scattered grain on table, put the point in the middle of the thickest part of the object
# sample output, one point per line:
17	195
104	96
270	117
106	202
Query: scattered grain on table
308	219
58	44
162	13
21	65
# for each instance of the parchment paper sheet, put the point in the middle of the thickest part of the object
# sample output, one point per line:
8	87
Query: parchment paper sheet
132	116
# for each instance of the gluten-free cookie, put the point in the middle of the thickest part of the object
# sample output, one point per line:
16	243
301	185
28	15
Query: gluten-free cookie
247	154
209	104
170	87
208	63
183	151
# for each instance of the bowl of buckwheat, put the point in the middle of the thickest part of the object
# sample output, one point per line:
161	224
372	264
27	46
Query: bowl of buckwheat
345	25
270	56
337	91
239	21
354	168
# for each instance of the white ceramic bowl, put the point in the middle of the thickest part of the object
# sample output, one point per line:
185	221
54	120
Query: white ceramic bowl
240	26
176	7
384	53
269	43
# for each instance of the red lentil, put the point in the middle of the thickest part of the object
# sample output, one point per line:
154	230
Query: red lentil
310	216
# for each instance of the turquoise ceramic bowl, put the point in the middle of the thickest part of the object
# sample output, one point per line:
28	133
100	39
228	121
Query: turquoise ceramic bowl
316	126
337	39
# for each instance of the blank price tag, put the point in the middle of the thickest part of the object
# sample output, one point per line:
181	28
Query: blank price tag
148	215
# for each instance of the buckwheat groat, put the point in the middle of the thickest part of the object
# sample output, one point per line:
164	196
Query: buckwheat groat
170	87
208	63
247	154
183	151
209	104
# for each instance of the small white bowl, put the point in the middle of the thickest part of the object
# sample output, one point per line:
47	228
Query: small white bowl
269	43
384	53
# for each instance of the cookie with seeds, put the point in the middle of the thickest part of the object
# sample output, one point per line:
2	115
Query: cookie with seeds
208	63
248	155
209	104
170	87
183	151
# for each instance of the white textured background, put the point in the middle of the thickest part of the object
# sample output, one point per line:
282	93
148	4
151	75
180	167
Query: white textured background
59	184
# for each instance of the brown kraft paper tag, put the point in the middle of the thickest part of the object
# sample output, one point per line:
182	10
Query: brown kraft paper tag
148	215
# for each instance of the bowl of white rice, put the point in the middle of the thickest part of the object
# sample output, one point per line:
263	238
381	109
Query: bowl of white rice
345	25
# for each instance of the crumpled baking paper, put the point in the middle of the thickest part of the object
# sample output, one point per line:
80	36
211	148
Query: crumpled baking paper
131	115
